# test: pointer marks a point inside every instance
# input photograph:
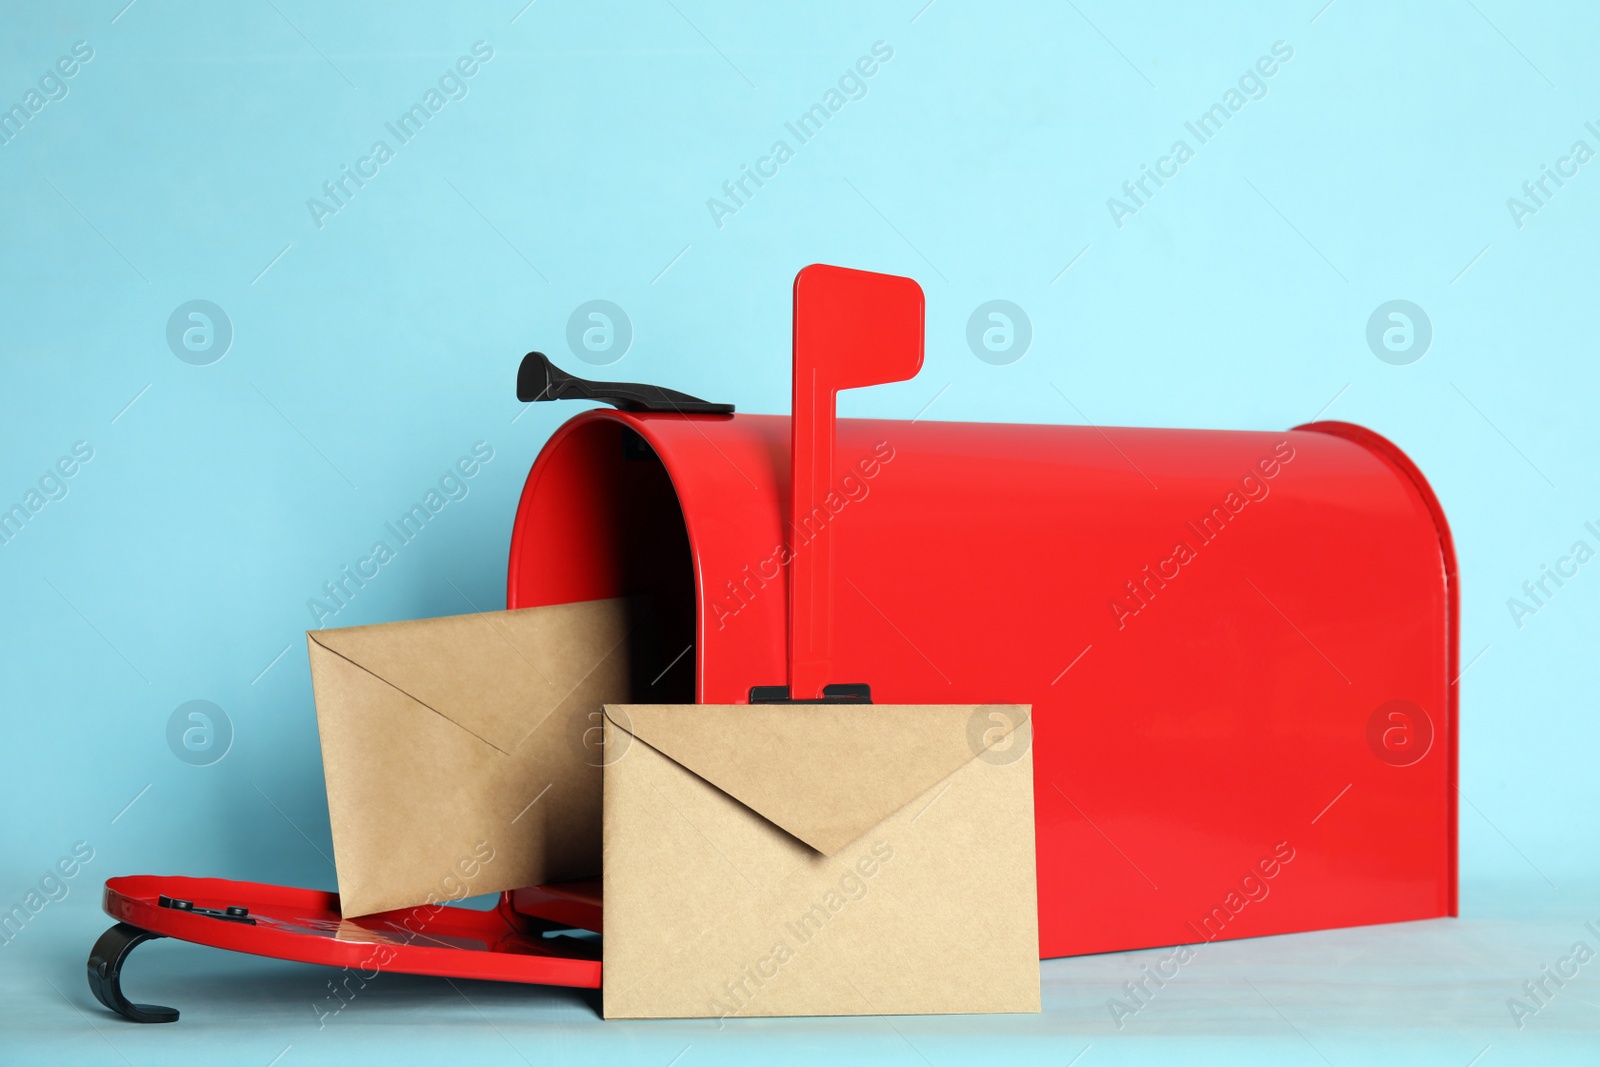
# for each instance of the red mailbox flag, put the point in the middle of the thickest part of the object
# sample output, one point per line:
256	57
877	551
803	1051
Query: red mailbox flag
852	328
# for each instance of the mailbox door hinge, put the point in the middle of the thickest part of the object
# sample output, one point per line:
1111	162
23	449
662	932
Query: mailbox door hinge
849	693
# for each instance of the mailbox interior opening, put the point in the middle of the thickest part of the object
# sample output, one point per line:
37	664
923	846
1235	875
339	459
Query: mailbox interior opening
600	518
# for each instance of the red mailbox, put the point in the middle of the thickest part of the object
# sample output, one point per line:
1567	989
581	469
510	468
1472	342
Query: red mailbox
1240	647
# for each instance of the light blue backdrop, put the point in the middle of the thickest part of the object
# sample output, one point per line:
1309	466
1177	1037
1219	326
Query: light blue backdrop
374	345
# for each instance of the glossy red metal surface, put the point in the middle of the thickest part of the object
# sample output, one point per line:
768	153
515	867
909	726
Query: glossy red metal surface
1238	646
305	925
574	904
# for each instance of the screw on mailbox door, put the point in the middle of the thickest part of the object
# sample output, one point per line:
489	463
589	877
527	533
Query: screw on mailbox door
232	913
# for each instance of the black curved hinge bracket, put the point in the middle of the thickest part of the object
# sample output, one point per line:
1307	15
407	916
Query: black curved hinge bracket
105	974
539	379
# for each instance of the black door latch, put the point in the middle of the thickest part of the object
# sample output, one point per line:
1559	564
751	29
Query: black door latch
539	379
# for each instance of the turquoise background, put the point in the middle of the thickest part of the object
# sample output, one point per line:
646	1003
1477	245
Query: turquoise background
371	352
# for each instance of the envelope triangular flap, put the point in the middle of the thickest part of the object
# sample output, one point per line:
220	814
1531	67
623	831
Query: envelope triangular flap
826	773
495	674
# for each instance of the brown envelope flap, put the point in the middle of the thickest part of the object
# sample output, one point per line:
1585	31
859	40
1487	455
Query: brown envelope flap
497	674
826	773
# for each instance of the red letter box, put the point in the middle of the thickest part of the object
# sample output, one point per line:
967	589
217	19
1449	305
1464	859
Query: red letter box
1239	647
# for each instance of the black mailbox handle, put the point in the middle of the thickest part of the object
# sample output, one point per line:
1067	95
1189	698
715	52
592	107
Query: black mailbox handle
105	974
539	379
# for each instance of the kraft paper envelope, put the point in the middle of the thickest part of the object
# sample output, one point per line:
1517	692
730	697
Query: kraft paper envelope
818	860
454	749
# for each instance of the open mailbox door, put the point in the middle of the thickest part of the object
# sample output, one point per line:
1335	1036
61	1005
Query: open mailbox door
305	925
